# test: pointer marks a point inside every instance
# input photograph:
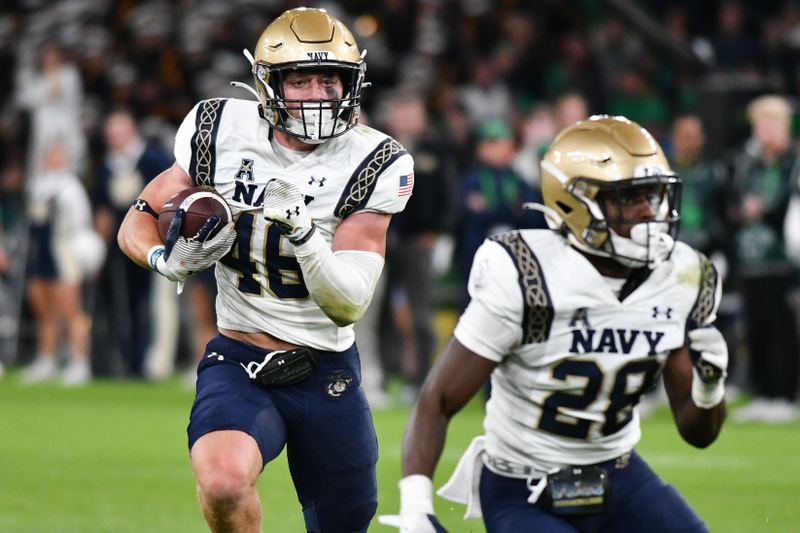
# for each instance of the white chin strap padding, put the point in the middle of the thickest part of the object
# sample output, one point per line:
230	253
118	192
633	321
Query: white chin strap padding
312	131
650	244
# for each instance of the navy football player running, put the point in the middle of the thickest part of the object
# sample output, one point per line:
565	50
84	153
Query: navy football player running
573	326
311	192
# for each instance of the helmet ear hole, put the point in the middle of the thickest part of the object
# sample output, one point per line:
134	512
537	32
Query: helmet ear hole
564	207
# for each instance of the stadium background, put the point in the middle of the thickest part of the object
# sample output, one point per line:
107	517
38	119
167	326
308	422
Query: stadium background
111	457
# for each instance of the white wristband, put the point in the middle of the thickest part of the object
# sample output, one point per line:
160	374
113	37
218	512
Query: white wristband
706	395
155	254
416	494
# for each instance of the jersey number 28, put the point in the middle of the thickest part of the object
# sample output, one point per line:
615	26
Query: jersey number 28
620	404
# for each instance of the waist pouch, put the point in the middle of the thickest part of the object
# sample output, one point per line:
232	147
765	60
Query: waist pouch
577	490
283	368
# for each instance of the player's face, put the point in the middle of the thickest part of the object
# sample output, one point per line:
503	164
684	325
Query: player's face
626	207
312	85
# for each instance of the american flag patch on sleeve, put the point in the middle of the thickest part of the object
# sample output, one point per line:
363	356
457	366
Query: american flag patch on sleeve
406	185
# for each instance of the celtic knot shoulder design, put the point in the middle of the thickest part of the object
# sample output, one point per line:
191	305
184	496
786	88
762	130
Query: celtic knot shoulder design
203	164
538	313
362	182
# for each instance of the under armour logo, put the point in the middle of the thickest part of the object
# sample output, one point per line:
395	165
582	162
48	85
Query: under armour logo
289	212
658	312
139	205
312	180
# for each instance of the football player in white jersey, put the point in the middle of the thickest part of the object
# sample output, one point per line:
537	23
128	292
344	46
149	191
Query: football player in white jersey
311	192
573	325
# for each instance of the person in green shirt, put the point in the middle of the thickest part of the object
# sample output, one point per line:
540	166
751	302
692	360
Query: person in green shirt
702	216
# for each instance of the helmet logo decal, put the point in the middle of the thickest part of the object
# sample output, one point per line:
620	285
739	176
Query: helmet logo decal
320	56
644	171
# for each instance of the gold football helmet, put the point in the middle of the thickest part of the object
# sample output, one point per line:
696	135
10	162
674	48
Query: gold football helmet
306	38
592	174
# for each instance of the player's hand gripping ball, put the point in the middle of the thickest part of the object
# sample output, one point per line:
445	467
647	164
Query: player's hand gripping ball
197	229
199	204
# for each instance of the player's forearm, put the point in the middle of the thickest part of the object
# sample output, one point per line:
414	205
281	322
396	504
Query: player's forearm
137	235
425	437
700	427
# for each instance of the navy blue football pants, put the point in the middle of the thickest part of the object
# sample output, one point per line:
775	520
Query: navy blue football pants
324	422
640	501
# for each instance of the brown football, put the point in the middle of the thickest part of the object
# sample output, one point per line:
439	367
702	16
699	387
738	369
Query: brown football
199	204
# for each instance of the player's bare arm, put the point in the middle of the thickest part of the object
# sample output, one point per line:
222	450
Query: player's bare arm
455	378
699	427
139	230
363	231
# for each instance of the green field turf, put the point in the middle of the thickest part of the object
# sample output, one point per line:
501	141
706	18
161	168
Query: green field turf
111	458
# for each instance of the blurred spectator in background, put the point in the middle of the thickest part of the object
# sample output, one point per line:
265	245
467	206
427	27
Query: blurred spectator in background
703	187
702	226
486	96
492	194
577	70
703	219
13	246
536	131
413	234
53	94
734	45
763	176
63	251
124	309
540	128
636	99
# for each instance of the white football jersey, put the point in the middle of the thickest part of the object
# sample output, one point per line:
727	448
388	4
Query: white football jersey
224	143
573	358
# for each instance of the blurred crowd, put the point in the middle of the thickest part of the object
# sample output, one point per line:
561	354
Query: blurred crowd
475	90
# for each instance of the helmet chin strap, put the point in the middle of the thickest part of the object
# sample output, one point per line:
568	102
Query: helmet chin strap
649	245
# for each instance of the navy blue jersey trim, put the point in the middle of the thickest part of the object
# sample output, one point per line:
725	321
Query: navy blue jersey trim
204	141
537	315
362	182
